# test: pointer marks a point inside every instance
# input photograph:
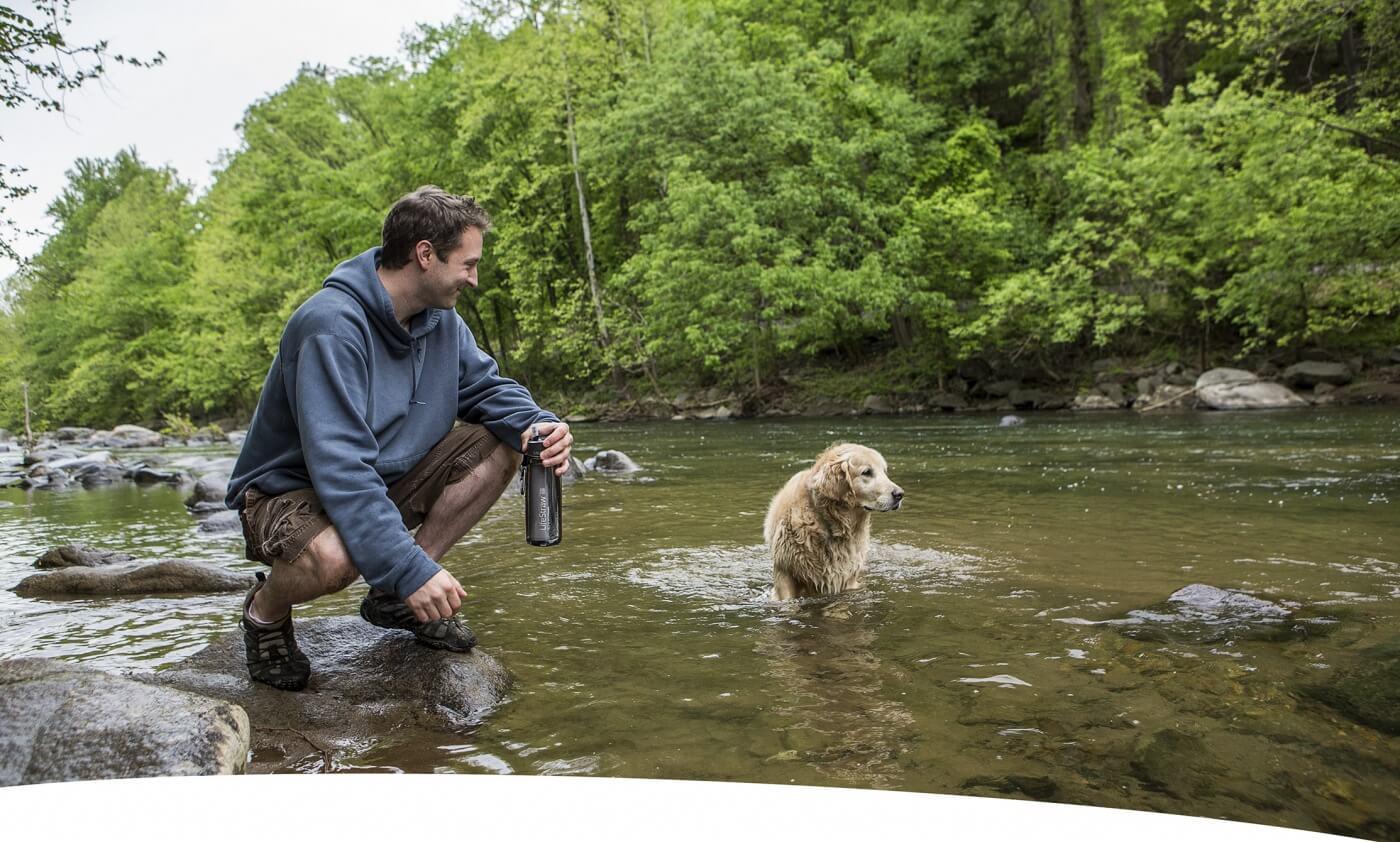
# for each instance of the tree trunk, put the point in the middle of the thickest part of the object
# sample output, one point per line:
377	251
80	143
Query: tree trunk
1083	92
618	378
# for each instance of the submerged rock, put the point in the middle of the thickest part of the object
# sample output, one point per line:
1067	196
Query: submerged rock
611	462
1368	693
1362	394
176	575
366	682
65	722
1011	421
79	555
1201	613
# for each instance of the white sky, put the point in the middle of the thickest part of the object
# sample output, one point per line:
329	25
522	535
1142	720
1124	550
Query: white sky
220	57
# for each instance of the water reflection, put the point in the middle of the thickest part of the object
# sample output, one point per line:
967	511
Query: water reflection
831	693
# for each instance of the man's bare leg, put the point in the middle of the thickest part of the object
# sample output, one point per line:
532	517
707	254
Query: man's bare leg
464	502
325	566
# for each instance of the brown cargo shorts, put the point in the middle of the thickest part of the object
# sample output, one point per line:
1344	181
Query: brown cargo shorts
280	528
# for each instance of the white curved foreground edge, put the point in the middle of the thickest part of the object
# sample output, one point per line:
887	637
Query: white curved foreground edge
442	807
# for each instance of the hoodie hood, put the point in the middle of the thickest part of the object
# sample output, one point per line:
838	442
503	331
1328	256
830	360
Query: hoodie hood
358	277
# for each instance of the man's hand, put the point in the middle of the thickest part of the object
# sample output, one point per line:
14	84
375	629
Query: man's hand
558	444
437	599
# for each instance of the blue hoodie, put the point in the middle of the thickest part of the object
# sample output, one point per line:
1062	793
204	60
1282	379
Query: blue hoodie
353	401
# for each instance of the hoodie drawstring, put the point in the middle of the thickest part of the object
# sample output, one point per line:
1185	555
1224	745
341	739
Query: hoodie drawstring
413	352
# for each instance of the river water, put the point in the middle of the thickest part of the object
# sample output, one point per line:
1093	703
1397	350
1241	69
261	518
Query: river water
986	655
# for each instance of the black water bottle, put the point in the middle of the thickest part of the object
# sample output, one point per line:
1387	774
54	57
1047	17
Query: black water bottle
544	522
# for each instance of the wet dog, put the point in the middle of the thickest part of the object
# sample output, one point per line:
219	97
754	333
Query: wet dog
818	526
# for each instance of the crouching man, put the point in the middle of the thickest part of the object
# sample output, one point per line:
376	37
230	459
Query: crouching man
353	441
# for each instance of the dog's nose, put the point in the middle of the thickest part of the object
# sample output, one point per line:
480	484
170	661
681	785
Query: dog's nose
898	494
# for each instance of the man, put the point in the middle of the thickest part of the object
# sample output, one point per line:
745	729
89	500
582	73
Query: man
352	444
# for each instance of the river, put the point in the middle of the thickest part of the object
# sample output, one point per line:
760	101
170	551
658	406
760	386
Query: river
986	655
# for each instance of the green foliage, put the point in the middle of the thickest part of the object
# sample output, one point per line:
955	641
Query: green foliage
854	187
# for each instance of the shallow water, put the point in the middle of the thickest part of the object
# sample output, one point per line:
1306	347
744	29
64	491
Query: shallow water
977	660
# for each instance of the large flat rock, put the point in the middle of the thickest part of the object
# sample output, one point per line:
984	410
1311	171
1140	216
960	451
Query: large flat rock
176	575
1232	388
66	722
366	683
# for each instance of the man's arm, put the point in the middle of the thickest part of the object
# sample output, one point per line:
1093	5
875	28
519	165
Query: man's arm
484	397
329	392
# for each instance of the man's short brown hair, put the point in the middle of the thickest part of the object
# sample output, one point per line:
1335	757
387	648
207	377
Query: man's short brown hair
428	213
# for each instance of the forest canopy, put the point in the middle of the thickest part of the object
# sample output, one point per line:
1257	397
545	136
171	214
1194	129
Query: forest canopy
730	192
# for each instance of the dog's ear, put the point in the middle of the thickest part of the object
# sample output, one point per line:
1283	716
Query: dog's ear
829	477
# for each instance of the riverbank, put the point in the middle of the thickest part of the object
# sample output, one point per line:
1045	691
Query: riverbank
979	385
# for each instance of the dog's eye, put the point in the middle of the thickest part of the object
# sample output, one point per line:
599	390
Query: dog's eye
868	472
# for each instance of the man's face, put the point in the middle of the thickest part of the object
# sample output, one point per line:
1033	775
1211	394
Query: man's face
448	274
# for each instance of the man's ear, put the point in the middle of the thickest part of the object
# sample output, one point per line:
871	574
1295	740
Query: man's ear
423	254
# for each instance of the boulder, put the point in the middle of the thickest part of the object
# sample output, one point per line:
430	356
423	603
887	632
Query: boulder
1000	388
208	507
132	435
1011	421
210	488
72	434
42	455
1165	396
79	555
366	682
1359	394
1114	392
221	523
1036	399
877	405
948	402
236	437
66	722
147	475
93	475
1232	388
611	462
576	471
1323	389
1305	375
176	575
822	407
1092	401
1368	693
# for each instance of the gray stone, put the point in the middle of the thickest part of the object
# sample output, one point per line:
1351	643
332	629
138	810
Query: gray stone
1165	396
575	473
176	575
146	475
1114	392
221	523
1360	394
236	437
948	402
1092	401
66	722
1000	388
41	455
876	405
1232	388
94	475
1011	421
611	462
132	435
208	507
1368	693
1323	389
210	488
72	433
366	682
1200	613
1036	399
79	555
1305	375
1177	763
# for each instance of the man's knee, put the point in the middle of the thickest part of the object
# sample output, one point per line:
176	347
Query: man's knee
506	462
331	561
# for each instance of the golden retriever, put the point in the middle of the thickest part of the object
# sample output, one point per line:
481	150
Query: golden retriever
818	526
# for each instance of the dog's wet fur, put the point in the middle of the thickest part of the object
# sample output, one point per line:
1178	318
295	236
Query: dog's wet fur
818	525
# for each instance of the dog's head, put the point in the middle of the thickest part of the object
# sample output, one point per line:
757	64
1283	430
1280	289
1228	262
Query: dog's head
854	475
